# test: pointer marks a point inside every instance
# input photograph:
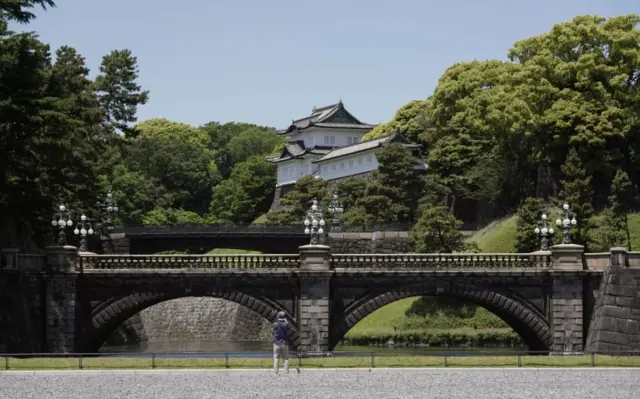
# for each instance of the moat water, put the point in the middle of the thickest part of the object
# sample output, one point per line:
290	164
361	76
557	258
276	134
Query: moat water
257	347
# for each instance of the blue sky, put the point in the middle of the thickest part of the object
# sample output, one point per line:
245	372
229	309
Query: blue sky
268	62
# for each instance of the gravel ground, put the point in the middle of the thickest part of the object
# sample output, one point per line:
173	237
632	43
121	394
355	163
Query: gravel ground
328	384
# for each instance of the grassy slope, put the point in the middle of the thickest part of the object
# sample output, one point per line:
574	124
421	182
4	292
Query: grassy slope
391	320
499	236
225	251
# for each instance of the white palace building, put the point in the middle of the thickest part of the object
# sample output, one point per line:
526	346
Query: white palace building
328	144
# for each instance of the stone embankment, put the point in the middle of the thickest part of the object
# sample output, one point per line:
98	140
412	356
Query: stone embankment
193	319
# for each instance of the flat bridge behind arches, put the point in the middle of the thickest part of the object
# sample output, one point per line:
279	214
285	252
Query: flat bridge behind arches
203	238
323	294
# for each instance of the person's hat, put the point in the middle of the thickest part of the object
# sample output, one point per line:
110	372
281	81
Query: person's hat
281	315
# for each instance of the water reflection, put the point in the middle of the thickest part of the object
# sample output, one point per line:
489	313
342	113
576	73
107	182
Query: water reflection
197	346
212	346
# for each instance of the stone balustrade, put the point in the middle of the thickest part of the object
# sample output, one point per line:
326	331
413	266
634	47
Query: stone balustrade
597	261
440	261
257	261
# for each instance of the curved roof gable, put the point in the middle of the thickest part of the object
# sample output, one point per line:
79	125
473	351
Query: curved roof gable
330	116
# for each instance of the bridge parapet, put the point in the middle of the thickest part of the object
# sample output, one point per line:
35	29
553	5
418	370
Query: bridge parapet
253	261
442	261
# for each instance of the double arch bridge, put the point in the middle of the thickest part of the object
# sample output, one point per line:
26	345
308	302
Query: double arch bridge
546	297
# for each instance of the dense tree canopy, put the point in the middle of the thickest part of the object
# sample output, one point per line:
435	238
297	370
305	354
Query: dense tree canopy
559	121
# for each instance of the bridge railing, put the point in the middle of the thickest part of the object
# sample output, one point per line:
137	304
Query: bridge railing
441	261
253	261
271	229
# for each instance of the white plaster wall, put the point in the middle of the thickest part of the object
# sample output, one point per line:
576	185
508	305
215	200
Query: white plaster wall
292	171
316	136
355	164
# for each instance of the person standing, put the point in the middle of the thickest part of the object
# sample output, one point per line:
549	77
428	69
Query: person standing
281	341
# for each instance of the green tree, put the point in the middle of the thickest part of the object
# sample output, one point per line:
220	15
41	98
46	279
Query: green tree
577	192
164	216
253	141
247	193
118	91
411	120
396	171
613	229
527	218
16	10
183	168
376	208
298	201
438	231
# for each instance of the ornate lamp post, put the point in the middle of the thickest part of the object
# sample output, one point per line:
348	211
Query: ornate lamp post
336	209
568	220
111	206
85	229
544	230
62	219
314	224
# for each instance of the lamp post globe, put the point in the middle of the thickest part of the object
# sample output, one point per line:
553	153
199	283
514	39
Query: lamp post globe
61	219
567	220
545	231
83	230
314	223
336	209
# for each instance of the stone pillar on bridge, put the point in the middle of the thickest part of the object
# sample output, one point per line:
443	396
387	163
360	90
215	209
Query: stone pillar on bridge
567	316
313	308
61	299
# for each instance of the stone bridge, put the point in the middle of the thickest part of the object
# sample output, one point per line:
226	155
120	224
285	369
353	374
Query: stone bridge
263	238
64	302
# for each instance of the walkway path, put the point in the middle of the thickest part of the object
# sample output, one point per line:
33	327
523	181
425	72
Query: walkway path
312	384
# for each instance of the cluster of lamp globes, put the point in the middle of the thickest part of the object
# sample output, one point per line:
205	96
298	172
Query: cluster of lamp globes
559	222
335	209
68	223
314	223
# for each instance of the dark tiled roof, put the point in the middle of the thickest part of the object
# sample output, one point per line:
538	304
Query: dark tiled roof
366	145
321	117
296	149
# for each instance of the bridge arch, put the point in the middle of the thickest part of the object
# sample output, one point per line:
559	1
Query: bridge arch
522	318
110	314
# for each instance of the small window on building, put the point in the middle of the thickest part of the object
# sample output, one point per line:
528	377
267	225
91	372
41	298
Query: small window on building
356	140
341	165
351	163
326	140
349	140
369	158
333	167
325	168
311	141
332	140
360	161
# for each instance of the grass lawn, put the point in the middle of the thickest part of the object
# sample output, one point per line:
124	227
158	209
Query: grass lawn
356	360
232	251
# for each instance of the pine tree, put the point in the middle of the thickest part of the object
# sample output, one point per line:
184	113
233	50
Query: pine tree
613	230
118	91
577	192
528	217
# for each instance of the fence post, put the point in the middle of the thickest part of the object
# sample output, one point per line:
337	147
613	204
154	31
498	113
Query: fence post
153	360
446	361
80	362
299	360
226	360
373	363
593	359
519	360
6	362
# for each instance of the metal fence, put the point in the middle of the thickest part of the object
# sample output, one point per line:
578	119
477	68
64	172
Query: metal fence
357	359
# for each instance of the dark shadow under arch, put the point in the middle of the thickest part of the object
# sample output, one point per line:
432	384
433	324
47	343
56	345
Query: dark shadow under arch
108	317
527	323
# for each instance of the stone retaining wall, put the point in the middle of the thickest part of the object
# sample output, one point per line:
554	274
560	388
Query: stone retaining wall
615	325
381	242
193	319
